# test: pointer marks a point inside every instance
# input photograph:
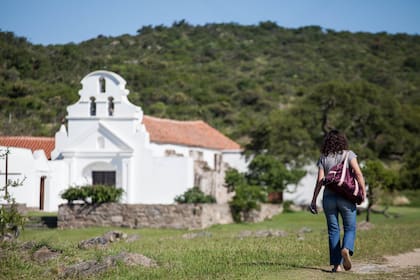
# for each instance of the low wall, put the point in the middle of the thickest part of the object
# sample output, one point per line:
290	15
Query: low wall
180	216
21	207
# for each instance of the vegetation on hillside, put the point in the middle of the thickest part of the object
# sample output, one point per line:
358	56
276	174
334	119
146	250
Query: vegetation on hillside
272	89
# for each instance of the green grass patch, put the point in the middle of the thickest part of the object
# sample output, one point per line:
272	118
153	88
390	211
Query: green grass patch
41	214
222	253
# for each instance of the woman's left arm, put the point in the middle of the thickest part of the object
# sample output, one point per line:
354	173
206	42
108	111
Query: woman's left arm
318	186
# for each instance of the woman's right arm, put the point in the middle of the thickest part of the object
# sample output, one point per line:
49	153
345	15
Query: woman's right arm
359	176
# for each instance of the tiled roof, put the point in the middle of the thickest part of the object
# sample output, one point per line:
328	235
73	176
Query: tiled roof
187	133
34	143
163	131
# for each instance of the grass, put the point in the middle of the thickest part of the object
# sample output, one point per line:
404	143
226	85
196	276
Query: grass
222	253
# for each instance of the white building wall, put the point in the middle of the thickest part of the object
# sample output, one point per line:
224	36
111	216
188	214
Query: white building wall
169	177
237	160
301	194
22	165
55	184
197	153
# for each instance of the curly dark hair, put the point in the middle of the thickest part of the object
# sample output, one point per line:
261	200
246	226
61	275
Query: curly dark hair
334	142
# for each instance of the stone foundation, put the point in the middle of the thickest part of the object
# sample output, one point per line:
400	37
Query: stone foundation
179	216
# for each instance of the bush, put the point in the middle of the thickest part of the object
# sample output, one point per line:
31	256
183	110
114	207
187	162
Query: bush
194	195
247	198
72	194
92	194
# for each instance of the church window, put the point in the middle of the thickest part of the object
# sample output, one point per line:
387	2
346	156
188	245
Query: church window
110	106
102	84
92	106
106	178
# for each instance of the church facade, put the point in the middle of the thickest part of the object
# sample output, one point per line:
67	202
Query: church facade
108	140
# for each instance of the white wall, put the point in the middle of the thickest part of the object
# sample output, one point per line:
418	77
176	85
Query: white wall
55	184
303	192
236	160
22	165
167	178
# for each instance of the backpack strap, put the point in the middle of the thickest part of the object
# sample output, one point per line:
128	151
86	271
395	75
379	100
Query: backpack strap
345	163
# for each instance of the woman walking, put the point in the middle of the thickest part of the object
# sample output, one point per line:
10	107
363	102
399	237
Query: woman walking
332	150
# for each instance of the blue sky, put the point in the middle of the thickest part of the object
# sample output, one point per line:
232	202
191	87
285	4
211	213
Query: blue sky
63	21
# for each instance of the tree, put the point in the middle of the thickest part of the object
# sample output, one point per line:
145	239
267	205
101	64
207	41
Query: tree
246	199
410	171
270	174
10	217
265	174
378	178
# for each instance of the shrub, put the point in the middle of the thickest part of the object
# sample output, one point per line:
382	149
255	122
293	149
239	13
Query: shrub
247	198
194	195
101	194
93	194
72	194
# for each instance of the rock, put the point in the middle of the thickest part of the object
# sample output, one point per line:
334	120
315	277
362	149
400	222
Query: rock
84	269
93	242
133	259
132	238
108	237
87	268
113	236
301	233
44	254
400	201
270	233
295	208
193	235
365	226
305	230
263	233
7	237
28	245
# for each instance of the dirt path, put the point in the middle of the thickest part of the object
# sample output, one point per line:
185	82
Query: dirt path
393	263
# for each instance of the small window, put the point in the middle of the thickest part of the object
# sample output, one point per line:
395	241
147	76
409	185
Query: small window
102	84
92	106
106	178
110	106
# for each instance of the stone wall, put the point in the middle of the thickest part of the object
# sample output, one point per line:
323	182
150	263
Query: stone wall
179	216
21	207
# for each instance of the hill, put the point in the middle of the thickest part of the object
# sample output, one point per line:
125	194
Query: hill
269	88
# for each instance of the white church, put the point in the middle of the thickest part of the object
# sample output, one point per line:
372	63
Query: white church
107	140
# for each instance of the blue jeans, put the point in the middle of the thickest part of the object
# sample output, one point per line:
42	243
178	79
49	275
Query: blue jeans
333	205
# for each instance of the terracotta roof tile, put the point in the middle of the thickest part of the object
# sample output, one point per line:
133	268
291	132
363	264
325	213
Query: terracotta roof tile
34	143
188	133
164	131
